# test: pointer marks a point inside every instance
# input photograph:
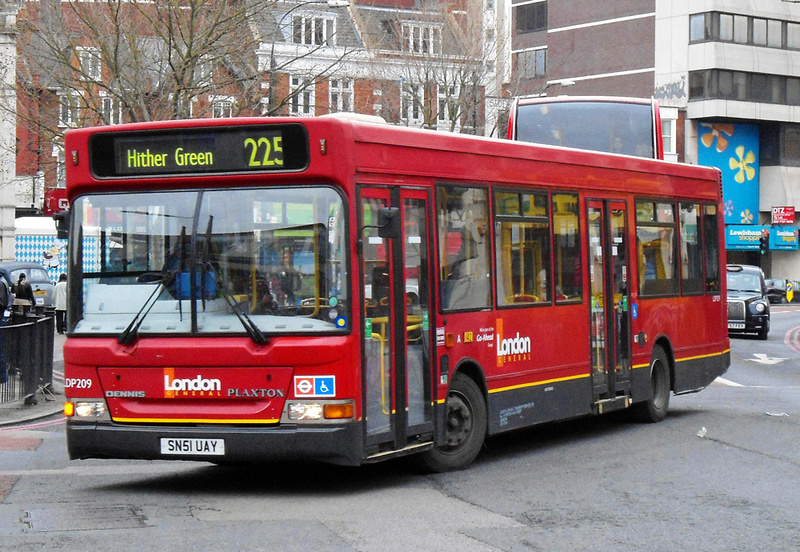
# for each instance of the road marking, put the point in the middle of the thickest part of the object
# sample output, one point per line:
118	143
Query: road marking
727	382
761	358
792	339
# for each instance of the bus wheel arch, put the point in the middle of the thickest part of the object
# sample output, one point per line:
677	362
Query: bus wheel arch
661	380
465	423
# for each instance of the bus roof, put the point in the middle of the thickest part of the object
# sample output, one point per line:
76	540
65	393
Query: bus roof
338	147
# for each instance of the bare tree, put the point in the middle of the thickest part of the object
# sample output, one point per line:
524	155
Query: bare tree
443	59
111	61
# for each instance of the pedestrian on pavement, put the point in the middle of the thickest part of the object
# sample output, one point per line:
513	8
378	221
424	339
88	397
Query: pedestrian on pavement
22	289
60	301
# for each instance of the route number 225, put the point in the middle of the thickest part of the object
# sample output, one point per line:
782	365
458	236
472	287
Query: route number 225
265	152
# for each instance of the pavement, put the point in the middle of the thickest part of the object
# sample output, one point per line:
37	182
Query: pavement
18	413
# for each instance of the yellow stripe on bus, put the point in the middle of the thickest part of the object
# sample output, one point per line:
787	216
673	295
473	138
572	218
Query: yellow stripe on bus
531	384
687	358
192	421
581	376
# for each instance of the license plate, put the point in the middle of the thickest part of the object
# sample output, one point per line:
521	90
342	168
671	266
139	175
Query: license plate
200	447
735	326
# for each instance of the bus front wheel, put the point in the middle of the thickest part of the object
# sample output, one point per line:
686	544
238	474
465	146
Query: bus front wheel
465	428
654	408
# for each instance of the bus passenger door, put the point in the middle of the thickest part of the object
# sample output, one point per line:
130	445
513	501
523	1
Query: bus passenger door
610	319
395	282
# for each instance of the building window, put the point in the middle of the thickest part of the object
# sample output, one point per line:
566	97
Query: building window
697	27
184	108
90	63
448	112
741	86
203	73
341	95
313	30
423	39
412	101
742	29
110	110
774	33
725	27
792	91
759	32
68	109
532	63
221	106
793	36
532	17
668	131
301	93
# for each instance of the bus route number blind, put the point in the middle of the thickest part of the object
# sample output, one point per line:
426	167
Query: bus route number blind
217	150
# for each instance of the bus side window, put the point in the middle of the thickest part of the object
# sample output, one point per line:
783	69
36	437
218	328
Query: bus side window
711	248
656	244
522	248
566	248
464	248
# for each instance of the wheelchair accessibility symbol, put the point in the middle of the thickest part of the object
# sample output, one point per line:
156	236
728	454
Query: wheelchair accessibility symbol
315	386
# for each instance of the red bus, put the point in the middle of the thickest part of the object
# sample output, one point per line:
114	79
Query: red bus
348	292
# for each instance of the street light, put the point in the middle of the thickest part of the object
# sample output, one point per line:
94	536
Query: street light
563	83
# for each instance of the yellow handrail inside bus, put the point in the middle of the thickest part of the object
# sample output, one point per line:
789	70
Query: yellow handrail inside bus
382	321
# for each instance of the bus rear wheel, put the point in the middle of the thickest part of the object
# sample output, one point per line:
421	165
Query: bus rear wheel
465	428
654	409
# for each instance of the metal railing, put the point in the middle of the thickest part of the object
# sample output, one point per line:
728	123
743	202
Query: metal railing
26	357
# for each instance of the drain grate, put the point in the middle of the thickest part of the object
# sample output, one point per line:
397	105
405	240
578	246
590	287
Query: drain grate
83	518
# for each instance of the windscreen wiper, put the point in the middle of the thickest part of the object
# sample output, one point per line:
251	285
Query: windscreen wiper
247	323
131	331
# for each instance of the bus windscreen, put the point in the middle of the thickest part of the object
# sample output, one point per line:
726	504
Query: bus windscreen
625	128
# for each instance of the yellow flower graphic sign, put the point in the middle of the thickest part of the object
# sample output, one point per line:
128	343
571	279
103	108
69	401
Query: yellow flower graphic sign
742	162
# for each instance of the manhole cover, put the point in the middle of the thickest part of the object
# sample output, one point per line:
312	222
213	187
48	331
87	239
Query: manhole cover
83	518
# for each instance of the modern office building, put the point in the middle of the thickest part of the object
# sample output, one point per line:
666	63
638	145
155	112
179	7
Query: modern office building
727	75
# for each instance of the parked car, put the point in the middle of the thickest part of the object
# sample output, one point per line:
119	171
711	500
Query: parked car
777	288
748	306
35	275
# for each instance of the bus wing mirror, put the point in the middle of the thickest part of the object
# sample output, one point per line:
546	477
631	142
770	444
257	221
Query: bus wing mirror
62	224
389	222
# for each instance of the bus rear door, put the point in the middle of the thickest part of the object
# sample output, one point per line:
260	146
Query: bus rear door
610	317
395	282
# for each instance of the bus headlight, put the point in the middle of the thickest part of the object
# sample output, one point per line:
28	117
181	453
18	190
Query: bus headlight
318	411
303	411
86	409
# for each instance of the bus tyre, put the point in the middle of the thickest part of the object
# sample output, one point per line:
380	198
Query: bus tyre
654	409
465	427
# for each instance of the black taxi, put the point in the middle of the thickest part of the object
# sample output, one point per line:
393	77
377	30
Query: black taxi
748	305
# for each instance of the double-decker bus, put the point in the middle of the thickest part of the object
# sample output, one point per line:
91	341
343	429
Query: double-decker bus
626	126
348	292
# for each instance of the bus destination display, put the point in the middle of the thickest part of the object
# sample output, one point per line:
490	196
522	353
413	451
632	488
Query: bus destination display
200	151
